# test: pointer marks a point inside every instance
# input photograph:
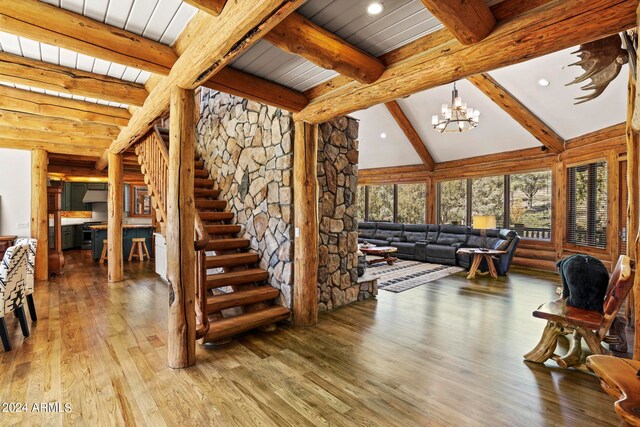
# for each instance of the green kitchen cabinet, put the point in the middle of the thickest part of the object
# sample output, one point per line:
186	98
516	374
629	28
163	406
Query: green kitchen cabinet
67	237
78	190
73	193
97	186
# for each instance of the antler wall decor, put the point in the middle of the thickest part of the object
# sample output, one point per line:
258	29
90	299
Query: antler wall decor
601	61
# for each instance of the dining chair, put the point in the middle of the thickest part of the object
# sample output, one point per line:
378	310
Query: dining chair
13	276
31	270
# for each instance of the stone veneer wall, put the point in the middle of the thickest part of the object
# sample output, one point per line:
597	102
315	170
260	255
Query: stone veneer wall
247	149
337	190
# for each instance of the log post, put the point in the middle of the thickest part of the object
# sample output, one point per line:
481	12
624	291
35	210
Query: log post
305	200
39	212
633	209
114	226
559	207
180	231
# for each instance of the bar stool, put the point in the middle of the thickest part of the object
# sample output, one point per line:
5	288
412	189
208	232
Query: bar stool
139	245
105	246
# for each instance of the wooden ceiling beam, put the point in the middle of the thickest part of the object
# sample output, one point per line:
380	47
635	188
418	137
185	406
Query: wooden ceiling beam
610	132
519	112
219	41
247	86
19	70
89	171
410	132
18	133
45	23
468	20
55	125
212	7
51	147
54	106
435	59
298	35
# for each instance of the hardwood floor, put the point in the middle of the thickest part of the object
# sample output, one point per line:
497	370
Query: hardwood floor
446	353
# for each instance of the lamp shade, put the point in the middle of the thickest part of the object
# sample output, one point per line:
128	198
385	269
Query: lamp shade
483	222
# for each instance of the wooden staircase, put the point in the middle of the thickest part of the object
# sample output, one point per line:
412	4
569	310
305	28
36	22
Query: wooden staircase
235	298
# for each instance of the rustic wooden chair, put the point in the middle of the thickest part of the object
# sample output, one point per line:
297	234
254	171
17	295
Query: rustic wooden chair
13	277
32	244
590	325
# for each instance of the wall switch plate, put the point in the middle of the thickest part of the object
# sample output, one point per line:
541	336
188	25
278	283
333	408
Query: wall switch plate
23	226
297	232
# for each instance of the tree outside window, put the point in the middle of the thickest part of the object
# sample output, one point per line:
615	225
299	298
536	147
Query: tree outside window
453	201
412	207
381	203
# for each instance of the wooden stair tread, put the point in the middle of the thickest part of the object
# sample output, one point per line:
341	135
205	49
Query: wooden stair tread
223	229
232	260
220	302
210	204
206	192
203	183
231	326
239	277
201	173
198	164
228	244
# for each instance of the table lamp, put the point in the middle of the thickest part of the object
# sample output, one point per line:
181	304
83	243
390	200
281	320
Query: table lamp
482	223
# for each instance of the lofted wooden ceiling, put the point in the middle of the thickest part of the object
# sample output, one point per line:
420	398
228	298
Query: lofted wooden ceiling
74	70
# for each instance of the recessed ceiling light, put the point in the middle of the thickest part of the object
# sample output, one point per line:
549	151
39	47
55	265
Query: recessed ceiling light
383	135
375	8
544	82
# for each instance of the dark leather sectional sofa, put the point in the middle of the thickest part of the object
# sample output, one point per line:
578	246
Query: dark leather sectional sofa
439	243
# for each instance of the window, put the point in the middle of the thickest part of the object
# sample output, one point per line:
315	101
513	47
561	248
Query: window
411	203
487	198
530	204
587	204
525	207
362	200
381	203
401	203
452	201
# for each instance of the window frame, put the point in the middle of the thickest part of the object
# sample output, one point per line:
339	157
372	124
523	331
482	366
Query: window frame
395	199
591	210
506	199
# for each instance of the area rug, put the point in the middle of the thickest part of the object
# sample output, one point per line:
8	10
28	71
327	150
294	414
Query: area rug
404	275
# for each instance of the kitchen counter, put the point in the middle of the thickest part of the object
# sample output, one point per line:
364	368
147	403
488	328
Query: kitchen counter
129	232
125	226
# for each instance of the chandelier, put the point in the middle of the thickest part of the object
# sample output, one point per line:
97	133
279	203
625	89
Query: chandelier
458	118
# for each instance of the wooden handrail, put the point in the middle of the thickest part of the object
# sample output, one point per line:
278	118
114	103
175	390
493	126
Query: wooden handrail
153	156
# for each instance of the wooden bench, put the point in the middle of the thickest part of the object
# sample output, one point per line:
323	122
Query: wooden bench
590	325
619	378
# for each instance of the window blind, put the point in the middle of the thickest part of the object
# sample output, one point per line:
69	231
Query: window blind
587	204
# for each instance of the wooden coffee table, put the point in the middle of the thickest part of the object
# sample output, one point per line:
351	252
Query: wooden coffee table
382	251
478	254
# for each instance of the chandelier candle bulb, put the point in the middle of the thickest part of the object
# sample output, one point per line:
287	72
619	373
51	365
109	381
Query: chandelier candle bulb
460	116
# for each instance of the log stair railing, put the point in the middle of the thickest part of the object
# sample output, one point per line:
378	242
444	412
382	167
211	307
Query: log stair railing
231	291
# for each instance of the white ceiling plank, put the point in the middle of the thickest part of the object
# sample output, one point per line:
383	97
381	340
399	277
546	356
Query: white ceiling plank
96	9
178	23
118	12
75	6
140	14
161	18
10	43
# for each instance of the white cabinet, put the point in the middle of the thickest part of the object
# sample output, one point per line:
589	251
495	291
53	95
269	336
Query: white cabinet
161	255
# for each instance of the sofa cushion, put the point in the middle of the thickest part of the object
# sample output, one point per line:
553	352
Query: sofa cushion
366	230
404	248
421	228
450	234
397	239
432	234
414	236
507	234
502	245
386	230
